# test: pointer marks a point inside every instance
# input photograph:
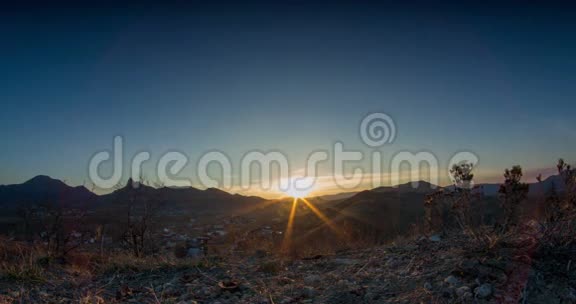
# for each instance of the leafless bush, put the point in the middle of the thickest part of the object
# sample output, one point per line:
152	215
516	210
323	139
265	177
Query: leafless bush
62	228
141	210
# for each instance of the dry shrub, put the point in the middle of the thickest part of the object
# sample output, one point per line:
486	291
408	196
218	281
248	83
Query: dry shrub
560	223
21	263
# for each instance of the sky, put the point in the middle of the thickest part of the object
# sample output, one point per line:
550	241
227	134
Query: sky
288	76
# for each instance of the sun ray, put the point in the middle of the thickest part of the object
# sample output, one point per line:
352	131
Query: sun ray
287	242
323	217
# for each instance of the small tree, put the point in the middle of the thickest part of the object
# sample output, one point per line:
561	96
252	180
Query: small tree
461	196
512	193
568	175
452	206
560	212
559	206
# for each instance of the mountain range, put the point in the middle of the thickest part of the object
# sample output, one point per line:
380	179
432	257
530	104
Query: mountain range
44	189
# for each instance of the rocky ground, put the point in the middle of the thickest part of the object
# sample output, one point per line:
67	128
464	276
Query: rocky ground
420	271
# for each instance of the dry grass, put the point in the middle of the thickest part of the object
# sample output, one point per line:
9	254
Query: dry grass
21	263
27	272
29	264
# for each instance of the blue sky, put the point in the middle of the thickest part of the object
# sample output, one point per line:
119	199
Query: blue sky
292	76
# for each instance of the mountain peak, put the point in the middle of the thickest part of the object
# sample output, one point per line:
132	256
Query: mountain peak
216	190
40	178
44	189
418	184
43	180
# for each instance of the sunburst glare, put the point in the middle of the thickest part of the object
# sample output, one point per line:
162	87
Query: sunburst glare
300	187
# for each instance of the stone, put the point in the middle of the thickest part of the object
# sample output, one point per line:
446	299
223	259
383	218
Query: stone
194	252
462	291
447	292
428	286
467	297
435	238
312	279
569	294
483	291
308	292
452	280
286	301
393	263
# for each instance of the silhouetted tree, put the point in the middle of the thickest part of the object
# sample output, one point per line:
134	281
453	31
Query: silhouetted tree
452	206
568	175
512	193
553	209
560	213
462	194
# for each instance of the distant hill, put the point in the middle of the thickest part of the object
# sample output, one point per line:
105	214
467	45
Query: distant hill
410	187
420	187
44	190
536	188
388	209
337	196
383	213
488	189
180	199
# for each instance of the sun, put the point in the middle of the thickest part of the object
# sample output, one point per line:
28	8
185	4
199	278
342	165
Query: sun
297	193
300	188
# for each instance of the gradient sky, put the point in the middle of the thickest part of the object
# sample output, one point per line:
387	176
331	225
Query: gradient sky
292	76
